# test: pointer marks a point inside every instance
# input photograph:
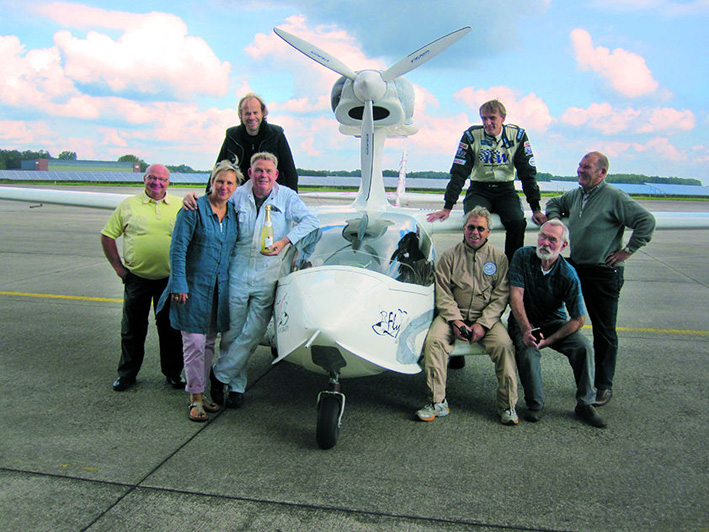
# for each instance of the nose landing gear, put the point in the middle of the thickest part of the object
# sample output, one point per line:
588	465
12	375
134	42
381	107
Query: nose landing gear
331	403
331	406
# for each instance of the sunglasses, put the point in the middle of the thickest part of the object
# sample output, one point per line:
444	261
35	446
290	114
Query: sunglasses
472	227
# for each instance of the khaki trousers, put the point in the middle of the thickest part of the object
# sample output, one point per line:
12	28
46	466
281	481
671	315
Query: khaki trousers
439	345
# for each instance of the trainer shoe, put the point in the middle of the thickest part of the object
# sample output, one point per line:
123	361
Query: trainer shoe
590	415
603	397
509	417
433	410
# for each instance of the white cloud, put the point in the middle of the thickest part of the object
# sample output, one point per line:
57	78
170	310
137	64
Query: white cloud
312	82
625	71
395	29
609	120
654	152
662	147
34	79
529	112
153	55
667	119
21	133
600	116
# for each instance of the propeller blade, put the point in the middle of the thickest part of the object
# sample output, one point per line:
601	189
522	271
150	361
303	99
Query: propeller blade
367	142
371	191
316	54
420	56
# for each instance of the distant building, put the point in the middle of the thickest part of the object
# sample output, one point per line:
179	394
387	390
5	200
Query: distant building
63	165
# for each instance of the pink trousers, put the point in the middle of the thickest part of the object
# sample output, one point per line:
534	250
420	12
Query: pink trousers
198	352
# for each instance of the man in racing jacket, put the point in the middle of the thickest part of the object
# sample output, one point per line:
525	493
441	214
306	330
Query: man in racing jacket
490	154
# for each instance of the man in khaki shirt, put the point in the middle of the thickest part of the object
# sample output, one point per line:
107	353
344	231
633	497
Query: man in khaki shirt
471	294
145	221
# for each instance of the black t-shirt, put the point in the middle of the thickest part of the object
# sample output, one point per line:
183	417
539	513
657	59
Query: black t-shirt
250	144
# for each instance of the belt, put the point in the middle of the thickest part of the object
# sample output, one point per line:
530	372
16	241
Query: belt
490	184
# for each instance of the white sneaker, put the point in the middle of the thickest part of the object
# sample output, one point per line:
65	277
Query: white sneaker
433	410
509	417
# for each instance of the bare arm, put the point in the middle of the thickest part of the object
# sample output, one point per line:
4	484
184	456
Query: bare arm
441	215
110	249
520	316
569	327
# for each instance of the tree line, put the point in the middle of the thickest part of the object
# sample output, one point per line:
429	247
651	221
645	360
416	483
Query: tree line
11	160
541	176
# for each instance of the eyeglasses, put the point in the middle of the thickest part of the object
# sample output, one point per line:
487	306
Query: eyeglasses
472	227
156	178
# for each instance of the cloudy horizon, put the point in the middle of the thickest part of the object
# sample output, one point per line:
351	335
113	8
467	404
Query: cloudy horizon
161	81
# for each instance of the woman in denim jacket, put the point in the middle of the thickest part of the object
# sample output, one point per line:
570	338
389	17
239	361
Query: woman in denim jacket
202	243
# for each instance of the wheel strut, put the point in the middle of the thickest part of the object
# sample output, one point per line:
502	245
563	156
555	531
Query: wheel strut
331	406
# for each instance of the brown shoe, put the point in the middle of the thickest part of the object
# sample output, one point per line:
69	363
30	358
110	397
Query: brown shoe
533	415
589	414
603	397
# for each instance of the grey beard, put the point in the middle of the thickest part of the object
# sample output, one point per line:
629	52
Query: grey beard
546	255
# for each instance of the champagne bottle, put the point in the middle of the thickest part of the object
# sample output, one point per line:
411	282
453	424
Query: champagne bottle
267	231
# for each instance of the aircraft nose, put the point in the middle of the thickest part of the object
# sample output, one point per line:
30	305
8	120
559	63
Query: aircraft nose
374	321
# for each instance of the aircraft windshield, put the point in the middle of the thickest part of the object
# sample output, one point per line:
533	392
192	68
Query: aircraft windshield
389	244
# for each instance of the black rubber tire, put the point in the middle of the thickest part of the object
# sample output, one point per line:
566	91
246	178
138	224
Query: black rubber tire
328	428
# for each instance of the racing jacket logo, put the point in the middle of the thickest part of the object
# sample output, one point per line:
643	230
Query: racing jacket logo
493	157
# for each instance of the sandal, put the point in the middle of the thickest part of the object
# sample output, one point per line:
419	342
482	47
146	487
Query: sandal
201	416
211	407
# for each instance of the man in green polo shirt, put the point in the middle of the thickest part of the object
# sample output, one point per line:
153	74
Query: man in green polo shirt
145	221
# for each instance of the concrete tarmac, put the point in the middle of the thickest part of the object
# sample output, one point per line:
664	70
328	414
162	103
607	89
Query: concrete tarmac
75	455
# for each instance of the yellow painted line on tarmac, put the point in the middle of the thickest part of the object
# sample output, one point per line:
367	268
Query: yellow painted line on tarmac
658	331
55	296
114	300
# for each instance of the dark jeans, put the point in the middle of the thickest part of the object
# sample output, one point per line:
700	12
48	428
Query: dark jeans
576	348
601	291
501	199
138	295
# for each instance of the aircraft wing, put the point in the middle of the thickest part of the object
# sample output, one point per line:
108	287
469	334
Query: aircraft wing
665	220
104	200
97	200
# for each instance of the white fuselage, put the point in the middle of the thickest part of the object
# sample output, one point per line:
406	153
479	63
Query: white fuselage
363	286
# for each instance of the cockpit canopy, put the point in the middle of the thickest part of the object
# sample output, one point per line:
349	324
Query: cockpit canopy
387	243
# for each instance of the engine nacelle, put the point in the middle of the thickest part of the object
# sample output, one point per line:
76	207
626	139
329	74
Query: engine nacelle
393	112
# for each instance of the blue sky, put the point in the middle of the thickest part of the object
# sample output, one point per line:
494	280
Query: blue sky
160	80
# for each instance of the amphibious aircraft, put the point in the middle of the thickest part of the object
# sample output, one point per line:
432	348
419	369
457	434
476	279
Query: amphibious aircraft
356	296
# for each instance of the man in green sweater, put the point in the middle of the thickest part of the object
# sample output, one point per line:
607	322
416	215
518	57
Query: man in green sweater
598	214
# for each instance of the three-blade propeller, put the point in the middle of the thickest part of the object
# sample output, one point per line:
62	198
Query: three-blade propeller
369	87
407	64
